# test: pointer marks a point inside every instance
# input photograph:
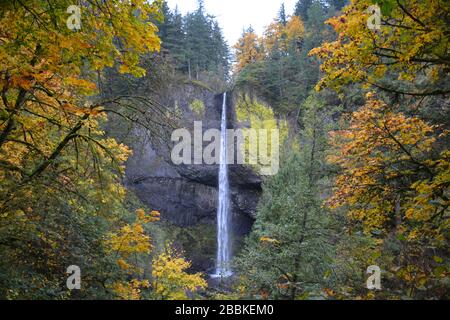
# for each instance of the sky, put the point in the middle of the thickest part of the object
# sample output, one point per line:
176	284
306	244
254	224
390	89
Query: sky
235	15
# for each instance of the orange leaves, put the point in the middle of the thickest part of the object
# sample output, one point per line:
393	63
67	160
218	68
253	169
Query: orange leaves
248	49
82	85
123	264
53	149
295	29
153	216
251	48
273	35
21	81
387	175
54	65
269	240
55	59
402	45
379	148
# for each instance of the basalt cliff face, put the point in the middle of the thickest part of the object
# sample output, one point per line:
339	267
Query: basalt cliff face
187	195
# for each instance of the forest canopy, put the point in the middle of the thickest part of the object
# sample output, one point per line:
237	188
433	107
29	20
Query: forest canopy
364	166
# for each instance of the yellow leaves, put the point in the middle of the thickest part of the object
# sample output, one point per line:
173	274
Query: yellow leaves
380	148
426	201
406	47
248	49
123	264
170	279
132	239
295	29
81	84
128	243
140	214
272	36
21	81
413	275
130	290
61	62
124	69
143	217
269	240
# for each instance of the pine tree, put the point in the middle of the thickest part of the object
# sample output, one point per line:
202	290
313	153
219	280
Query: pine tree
195	42
287	254
338	4
282	15
302	7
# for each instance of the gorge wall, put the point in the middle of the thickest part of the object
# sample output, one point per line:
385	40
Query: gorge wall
187	195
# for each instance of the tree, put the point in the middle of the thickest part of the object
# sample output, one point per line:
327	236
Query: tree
129	244
285	256
283	74
410	48
282	15
61	190
220	52
170	280
196	43
295	33
288	252
247	49
396	190
301	9
274	40
338	4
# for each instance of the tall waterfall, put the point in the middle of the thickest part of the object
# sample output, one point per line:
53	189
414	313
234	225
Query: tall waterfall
223	268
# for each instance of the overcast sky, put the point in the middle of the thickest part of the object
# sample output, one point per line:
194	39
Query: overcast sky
234	15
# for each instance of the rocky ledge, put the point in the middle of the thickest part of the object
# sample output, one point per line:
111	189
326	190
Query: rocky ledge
187	195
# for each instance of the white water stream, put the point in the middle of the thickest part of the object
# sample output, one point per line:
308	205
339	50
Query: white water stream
223	268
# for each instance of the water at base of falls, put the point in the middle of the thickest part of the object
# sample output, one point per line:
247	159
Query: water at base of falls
223	268
226	274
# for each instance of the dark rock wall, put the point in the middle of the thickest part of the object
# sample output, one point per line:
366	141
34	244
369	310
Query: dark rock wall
187	195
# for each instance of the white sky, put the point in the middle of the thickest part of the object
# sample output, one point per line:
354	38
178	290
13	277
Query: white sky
235	15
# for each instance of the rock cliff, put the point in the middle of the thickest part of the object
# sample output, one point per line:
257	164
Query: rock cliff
187	195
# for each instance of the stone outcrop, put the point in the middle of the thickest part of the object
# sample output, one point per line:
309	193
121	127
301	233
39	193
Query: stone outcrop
187	195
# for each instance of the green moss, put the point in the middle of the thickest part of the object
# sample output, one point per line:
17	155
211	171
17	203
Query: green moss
199	84
198	107
259	116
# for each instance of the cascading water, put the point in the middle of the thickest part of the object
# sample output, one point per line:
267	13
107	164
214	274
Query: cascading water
223	213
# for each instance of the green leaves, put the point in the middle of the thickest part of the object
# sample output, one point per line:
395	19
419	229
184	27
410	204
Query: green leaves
386	6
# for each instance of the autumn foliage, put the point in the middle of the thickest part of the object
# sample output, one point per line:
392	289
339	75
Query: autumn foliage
412	42
61	177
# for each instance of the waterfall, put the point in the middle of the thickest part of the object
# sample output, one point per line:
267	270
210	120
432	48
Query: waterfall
223	213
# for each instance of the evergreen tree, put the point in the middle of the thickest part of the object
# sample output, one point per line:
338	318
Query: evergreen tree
195	42
282	15
288	253
302	7
221	51
338	4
